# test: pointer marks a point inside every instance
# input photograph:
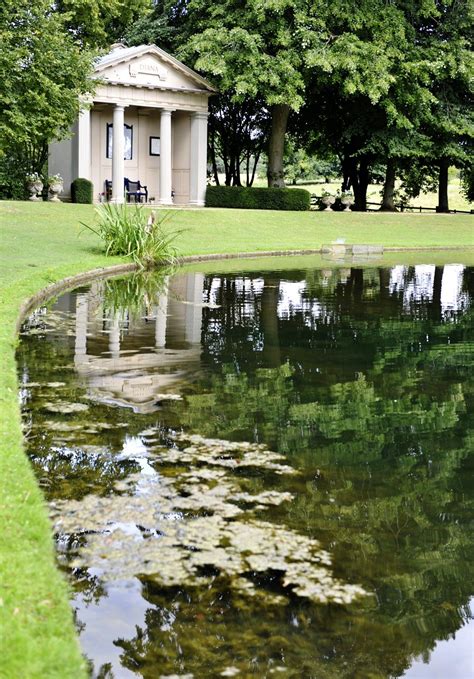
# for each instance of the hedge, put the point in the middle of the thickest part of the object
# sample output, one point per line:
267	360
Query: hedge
82	191
257	198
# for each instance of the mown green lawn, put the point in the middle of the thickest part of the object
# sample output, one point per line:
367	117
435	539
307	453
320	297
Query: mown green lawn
41	243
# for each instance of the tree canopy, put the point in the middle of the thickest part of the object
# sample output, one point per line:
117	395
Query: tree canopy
44	75
370	83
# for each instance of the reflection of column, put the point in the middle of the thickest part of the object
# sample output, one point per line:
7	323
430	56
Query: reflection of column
114	337
161	316
165	157
118	166
84	144
193	313
82	309
198	158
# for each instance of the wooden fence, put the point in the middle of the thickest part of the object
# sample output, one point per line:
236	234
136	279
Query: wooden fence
373	207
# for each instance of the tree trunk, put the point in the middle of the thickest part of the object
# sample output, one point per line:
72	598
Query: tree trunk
437	285
276	145
346	173
359	180
388	199
361	198
271	343
236	167
212	153
443	203
355	173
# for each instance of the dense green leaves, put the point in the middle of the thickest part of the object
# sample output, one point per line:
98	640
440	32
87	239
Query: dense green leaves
98	23
371	82
44	77
257	198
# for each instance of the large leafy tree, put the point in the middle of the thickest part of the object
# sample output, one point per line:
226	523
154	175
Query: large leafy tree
444	36
98	23
238	125
379	83
257	51
43	75
397	89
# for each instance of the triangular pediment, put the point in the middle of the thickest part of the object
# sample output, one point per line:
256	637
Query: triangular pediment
151	67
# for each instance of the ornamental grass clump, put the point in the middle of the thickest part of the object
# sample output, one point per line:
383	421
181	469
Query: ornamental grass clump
134	232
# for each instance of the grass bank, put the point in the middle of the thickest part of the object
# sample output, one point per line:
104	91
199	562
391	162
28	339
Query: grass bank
42	243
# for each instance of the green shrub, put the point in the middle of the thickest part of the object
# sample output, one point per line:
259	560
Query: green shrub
257	198
13	171
136	233
82	191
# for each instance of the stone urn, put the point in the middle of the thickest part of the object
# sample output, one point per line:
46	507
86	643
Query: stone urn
328	201
347	199
35	187
54	189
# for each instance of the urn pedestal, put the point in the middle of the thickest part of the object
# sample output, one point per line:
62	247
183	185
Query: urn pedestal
35	188
347	201
54	191
328	201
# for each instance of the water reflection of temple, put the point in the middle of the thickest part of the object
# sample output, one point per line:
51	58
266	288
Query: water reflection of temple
139	360
136	360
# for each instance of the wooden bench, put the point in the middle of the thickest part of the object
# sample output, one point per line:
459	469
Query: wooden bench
132	189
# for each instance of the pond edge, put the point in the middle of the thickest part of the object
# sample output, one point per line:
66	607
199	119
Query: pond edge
69	282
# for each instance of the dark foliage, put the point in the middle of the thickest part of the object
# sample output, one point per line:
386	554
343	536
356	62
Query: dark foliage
82	191
257	198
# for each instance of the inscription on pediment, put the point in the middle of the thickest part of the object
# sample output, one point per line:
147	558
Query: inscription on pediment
149	68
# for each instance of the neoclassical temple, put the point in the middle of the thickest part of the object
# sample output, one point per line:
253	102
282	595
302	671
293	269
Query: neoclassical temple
147	122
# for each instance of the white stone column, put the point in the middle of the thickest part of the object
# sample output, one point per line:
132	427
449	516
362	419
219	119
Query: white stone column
165	157
118	166
84	144
198	175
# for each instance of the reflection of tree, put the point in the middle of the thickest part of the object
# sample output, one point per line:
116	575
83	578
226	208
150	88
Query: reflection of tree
204	631
378	413
269	312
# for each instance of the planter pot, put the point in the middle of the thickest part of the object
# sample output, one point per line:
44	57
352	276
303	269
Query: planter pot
328	201
347	202
54	191
35	188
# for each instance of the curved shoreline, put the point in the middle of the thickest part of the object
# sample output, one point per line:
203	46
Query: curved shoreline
117	269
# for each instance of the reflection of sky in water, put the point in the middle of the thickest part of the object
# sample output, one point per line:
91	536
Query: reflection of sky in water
291	294
451	659
124	606
290	297
420	286
452	299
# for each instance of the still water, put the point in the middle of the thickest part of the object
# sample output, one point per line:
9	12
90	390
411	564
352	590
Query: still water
264	473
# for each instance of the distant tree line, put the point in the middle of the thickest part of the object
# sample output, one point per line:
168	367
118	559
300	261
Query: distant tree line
366	85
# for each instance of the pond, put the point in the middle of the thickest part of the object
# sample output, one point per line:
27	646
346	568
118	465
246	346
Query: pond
261	473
